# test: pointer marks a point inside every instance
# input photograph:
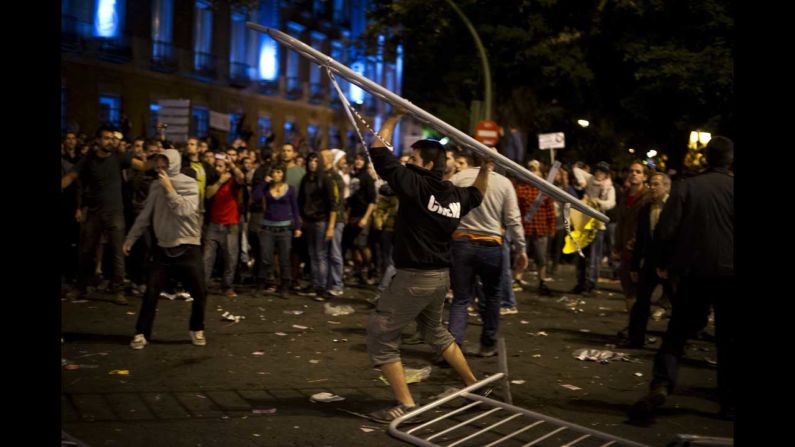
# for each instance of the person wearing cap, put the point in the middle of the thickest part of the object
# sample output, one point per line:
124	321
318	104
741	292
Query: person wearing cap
600	194
429	212
172	210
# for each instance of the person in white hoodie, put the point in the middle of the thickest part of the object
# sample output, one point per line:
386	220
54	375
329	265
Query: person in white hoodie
172	210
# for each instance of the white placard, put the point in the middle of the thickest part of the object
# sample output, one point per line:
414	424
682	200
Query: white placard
219	121
555	140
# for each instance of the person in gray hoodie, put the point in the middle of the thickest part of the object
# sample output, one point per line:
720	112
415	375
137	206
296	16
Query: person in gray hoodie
172	209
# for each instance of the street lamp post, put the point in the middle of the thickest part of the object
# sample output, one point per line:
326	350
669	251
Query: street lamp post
483	59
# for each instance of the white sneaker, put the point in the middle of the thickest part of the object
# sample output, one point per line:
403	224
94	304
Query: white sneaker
197	337
185	296
170	296
138	342
508	311
336	292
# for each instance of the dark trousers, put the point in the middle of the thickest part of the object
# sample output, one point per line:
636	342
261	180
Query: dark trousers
690	311
187	267
139	258
112	223
280	239
470	260
639	315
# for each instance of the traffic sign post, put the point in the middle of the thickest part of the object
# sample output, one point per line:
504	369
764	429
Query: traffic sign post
551	141
487	132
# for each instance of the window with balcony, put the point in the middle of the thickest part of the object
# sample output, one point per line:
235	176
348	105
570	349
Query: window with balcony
317	89
313	136
234	127
108	18
268	54
154	109
199	121
264	129
110	109
293	74
334	137
341	13
162	33
203	59
238	65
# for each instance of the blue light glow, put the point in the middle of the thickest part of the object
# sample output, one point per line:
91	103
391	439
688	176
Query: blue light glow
357	94
106	20
268	59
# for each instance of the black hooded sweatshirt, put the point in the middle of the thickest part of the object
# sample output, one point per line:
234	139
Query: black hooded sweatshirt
429	211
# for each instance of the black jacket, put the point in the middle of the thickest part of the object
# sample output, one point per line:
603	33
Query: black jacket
428	213
696	227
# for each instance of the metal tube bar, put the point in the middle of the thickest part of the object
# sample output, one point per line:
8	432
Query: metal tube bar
537	440
509	436
576	441
466	422
480	432
453	133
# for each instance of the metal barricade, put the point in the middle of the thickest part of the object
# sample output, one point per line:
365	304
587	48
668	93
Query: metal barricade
483	421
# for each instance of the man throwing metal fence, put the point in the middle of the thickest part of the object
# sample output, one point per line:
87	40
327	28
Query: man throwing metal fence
430	210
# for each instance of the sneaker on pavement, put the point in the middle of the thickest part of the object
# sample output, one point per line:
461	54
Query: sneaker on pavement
389	414
171	296
487	351
120	299
543	290
643	410
185	296
197	338
336	292
138	342
307	291
270	290
509	310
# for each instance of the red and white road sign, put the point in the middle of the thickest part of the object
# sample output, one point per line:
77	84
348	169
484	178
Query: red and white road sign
487	132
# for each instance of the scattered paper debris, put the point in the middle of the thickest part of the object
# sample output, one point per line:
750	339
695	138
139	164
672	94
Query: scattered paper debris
258	353
317	380
270	411
120	372
366	429
585	330
517	382
130	313
298	326
293	312
336	311
340	340
537	356
281	334
539	334
71	366
524	322
595	355
571	387
639	374
325	398
333	322
315	362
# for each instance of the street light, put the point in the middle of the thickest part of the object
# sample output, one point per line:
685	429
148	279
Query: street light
583	123
697	136
631	150
652	153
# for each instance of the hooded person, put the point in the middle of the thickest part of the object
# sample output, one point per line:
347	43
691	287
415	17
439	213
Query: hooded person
172	210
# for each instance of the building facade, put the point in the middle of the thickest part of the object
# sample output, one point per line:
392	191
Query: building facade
123	61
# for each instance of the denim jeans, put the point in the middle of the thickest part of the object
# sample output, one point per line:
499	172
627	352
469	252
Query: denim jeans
226	239
507	295
593	258
470	260
325	256
281	239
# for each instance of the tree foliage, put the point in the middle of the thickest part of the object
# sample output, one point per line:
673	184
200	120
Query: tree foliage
644	72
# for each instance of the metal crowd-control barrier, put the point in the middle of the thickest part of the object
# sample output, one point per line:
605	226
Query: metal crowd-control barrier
482	421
